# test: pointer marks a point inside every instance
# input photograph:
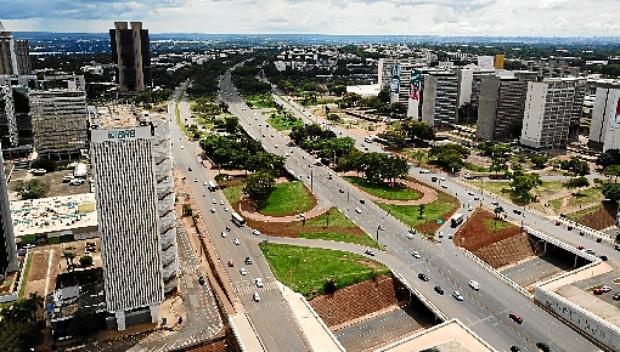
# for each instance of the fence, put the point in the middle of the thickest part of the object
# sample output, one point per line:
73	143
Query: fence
588	230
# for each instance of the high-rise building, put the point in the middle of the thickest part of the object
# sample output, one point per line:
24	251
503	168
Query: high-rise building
8	250
605	121
131	53
549	111
60	122
8	123
501	107
14	54
440	98
135	203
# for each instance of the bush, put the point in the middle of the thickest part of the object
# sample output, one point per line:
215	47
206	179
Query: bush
86	261
33	189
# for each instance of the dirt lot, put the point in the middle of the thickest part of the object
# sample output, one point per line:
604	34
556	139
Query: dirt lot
53	179
359	300
475	234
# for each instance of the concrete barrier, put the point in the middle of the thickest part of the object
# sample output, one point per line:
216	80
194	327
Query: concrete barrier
567	247
588	230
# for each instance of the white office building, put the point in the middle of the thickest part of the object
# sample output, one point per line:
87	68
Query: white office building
605	125
549	111
124	163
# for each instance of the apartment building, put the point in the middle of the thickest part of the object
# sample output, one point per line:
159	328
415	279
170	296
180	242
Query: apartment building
135	203
8	123
60	122
131	53
550	110
604	126
440	98
8	250
22	53
14	54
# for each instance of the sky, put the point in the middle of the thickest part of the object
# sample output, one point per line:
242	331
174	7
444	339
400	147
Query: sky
414	17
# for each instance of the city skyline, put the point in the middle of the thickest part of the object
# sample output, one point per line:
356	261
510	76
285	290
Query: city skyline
390	17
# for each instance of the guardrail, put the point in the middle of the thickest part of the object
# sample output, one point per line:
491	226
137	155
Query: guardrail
560	244
496	273
588	230
421	297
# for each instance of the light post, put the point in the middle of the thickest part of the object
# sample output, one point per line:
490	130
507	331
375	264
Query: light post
379	228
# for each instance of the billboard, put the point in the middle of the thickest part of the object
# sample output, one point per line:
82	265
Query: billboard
395	79
415	86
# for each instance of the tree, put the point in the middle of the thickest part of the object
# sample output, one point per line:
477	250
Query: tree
259	185
611	191
609	157
419	131
612	171
86	261
33	189
384	95
421	209
539	160
577	182
231	123
449	157
19	330
187	209
523	184
68	256
576	166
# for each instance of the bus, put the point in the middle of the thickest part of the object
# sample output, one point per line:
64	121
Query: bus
237	219
456	220
212	186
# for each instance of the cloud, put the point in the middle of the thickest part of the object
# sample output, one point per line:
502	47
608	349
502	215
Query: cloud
440	17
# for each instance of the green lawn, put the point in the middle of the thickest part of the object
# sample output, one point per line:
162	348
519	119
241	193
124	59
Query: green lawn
578	215
476	168
335	218
260	101
547	189
233	194
281	123
585	197
384	190
335	226
496	225
305	270
287	199
24	279
556	204
409	214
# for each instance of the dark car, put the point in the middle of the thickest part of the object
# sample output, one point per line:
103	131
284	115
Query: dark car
617	297
515	348
543	346
423	277
370	253
439	290
248	261
362	201
516	318
189	169
603	258
201	280
341	190
517	211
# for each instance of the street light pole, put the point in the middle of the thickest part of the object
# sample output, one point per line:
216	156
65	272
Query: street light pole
311	179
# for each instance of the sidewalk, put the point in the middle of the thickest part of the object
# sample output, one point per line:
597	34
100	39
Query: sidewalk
318	335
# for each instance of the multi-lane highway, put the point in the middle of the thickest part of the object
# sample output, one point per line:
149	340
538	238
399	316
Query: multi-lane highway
271	318
484	311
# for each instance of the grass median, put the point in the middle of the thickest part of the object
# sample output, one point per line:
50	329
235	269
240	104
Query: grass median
288	198
306	270
384	190
430	218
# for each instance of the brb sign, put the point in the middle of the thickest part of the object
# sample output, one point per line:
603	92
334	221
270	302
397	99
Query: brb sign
121	134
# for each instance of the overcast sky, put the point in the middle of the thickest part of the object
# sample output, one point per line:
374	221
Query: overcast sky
441	17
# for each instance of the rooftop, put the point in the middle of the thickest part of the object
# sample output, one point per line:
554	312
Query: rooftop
54	214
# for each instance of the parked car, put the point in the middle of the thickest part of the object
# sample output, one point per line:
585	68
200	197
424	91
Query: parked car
370	253
236	242
517	211
255	232
358	210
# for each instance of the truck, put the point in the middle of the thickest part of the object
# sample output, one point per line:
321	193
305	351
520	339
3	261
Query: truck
212	186
456	219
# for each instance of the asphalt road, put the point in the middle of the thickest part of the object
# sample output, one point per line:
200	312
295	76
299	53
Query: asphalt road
271	318
485	311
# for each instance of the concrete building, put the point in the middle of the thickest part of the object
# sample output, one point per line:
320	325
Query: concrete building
501	107
8	123
14	55
60	122
550	110
440	98
605	117
132	56
135	201
8	250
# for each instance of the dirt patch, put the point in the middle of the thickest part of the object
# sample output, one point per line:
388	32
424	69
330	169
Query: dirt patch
359	300
475	234
38	269
600	218
507	251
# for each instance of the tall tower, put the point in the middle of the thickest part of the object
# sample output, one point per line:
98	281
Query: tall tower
8	250
131	53
8	57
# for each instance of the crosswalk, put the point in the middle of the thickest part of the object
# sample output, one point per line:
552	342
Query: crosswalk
249	288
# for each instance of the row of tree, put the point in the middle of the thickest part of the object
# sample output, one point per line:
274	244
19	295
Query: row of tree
377	167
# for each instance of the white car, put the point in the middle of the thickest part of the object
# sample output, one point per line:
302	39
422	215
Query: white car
213	201
259	282
457	295
358	210
410	236
236	242
474	284
221	202
226	209
495	203
442	178
243	271
256	297
213	210
416	255
182	147
255	232
223	234
205	184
